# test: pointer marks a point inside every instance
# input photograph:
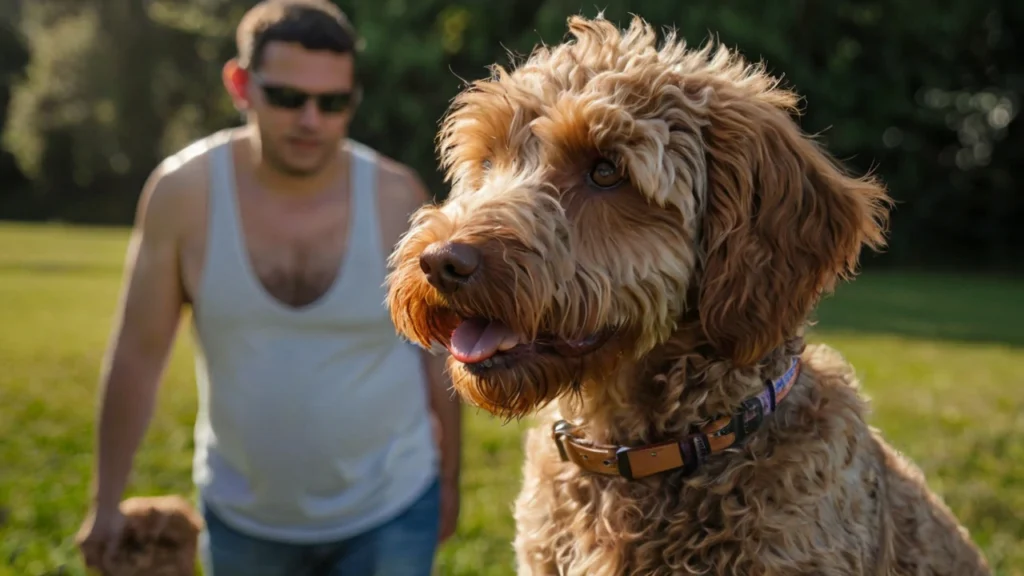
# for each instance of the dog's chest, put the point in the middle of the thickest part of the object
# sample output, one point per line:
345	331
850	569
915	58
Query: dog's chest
731	520
628	532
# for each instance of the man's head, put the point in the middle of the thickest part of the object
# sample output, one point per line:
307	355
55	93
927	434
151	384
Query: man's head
294	77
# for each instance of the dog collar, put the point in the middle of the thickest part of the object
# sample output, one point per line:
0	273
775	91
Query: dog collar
687	454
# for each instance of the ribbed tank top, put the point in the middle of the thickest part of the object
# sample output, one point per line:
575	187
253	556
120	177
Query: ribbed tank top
313	423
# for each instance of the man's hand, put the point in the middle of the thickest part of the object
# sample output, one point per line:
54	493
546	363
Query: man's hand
99	537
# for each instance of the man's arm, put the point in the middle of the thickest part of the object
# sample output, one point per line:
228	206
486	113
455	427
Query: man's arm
448	410
144	330
443	402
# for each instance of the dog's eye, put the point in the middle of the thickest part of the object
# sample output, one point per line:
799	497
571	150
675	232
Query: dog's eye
605	175
486	165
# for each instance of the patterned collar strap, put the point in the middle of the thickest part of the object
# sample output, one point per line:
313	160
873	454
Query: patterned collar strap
687	454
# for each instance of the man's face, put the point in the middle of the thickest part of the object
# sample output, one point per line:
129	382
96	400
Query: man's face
301	101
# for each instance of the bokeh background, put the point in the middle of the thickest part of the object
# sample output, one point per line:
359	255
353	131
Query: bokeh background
927	94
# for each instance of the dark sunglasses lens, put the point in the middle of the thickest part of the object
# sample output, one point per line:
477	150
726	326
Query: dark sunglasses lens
334	102
284	97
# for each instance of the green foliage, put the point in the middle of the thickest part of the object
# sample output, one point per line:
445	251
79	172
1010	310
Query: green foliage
927	95
14	58
59	99
942	378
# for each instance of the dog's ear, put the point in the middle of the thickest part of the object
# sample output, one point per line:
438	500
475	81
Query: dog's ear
781	225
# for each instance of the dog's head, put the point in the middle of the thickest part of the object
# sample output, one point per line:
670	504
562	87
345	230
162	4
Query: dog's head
160	537
605	190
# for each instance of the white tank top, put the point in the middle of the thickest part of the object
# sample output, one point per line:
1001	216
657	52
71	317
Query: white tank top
313	423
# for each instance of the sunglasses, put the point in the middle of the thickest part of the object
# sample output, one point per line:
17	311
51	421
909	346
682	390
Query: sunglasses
292	98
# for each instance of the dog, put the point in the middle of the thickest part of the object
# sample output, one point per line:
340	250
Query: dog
635	238
160	538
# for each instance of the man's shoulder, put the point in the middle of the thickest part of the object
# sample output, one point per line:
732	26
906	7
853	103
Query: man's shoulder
178	185
189	164
399	182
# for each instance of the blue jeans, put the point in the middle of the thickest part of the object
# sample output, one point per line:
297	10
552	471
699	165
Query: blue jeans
403	546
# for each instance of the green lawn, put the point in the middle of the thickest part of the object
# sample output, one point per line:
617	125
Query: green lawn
942	358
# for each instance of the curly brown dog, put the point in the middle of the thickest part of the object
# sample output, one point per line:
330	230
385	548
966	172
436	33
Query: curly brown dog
160	538
634	240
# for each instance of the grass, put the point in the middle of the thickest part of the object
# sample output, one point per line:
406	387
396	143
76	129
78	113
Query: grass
941	357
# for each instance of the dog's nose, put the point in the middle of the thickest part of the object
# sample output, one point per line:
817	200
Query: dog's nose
448	265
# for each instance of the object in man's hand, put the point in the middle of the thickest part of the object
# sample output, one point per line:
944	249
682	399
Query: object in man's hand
160	538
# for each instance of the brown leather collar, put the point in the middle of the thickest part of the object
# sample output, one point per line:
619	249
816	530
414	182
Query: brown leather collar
688	453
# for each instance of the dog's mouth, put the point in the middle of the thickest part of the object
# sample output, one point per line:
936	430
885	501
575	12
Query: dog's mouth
484	344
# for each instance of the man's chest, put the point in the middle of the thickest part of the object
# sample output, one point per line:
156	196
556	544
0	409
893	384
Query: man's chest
294	255
297	267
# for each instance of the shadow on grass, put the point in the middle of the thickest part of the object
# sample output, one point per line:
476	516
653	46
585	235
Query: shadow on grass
935	307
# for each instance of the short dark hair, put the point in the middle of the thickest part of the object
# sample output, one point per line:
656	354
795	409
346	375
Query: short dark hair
314	24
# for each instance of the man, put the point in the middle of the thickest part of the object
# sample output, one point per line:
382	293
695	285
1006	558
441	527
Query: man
314	445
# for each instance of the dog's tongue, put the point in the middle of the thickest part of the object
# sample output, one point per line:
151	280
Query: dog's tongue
476	339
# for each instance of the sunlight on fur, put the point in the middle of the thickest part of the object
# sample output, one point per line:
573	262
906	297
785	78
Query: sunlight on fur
161	538
635	237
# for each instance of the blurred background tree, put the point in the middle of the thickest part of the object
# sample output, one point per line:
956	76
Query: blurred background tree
926	94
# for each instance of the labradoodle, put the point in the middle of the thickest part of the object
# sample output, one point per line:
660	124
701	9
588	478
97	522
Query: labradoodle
160	538
634	240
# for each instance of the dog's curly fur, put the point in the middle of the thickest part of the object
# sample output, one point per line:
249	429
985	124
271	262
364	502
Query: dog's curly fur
696	274
160	538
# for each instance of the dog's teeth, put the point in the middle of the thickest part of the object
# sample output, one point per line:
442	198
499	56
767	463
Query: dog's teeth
510	341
